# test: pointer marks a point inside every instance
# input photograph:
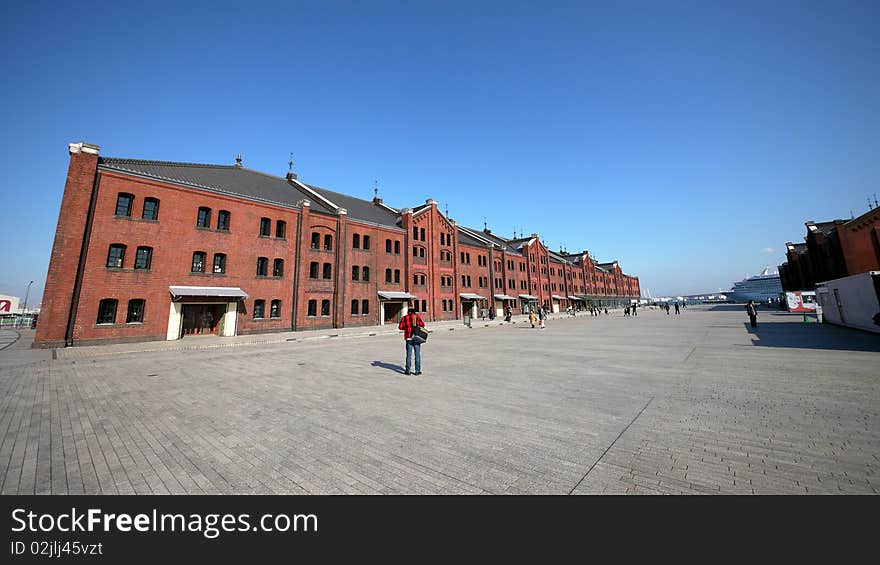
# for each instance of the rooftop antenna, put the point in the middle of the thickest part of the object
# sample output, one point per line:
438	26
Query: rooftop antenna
870	206
446	210
290	163
485	225
851	215
238	160
375	188
875	200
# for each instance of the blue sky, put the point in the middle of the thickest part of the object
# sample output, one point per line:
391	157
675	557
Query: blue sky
688	140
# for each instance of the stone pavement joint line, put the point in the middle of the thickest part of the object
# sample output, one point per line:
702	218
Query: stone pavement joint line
698	403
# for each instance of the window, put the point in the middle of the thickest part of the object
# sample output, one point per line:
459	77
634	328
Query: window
415	233
365	307
116	256
325	307
388	275
259	309
135	313
443	242
328	242
313	308
462	280
198	263
355	273
422	230
397	276
443	307
313	270
365	274
397	248
151	210
204	218
316	240
281	229
265	227
424	305
223	220
262	266
278	268
327	272
219	263
467	257
387	246
123	204
107	311
366	243
355	304
415	251
143	257
275	309
356	241
468	281
421	252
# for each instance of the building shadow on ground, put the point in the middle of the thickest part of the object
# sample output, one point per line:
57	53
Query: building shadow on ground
389	366
812	336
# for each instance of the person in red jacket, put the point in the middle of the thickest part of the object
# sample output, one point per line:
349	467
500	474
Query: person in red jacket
407	323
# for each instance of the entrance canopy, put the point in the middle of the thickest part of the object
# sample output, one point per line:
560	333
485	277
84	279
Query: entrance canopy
504	297
178	292
468	296
392	295
575	298
557	297
528	297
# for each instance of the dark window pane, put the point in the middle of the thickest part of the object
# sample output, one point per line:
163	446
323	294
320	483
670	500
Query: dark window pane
365	274
313	307
327	271
265	226
328	242
262	266
387	246
223	220
276	309
204	218
135	311
355	273
107	311
278	268
143	257
313	270
388	275
356	241
397	275
116	256
397	248
316	240
219	263
198	262
280	228
365	307
259	309
151	209
325	307
123	204
366	242
354	307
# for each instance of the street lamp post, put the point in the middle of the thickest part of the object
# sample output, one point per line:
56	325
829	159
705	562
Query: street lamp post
26	295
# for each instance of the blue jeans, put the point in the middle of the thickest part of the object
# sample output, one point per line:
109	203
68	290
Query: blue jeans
410	346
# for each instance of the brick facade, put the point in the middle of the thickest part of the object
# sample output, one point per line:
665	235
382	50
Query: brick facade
339	259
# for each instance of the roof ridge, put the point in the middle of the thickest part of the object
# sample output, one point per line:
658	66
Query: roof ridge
125	161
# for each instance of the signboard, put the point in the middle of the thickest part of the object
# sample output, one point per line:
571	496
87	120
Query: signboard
8	305
801	301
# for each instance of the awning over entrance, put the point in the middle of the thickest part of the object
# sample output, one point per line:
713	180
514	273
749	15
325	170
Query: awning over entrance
528	297
504	297
575	298
557	297
392	295
209	291
467	296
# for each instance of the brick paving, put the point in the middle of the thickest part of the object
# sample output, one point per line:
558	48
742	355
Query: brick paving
689	404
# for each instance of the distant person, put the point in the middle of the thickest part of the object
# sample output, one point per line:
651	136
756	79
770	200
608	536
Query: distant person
606	311
626	312
507	313
532	317
667	308
752	311
407	323
542	317
635	310
677	309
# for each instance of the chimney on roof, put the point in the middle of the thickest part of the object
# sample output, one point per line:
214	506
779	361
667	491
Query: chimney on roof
238	160
290	174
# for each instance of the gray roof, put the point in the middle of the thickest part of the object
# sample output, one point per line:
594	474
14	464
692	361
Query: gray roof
359	209
224	179
464	237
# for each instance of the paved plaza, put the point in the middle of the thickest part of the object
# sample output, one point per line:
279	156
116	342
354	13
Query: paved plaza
692	404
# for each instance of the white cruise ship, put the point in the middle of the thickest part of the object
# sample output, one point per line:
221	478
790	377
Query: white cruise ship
760	288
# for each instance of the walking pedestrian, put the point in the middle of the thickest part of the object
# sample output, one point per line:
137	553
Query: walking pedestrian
677	311
507	313
532	317
542	315
634	310
407	323
667	308
752	311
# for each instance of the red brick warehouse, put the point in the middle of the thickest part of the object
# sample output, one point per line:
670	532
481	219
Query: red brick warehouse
154	250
